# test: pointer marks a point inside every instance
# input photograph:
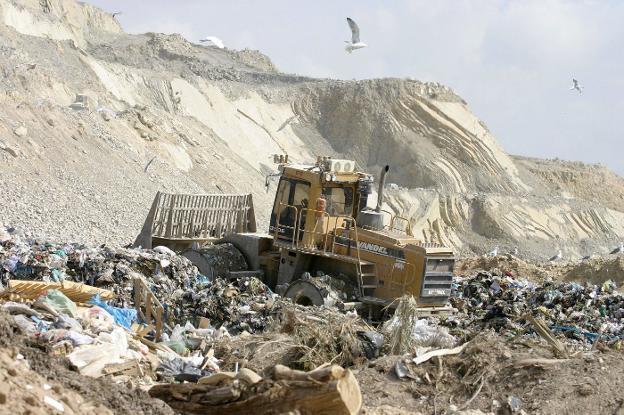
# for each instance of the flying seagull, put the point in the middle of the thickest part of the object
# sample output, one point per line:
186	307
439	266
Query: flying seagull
577	86
116	14
354	43
556	257
494	252
215	41
619	249
148	164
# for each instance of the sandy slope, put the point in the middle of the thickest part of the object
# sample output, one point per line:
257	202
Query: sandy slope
213	118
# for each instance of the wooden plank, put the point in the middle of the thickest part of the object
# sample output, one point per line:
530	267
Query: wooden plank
331	390
130	368
75	291
168	228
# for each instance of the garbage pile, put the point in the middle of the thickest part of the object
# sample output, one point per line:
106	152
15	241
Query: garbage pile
102	340
89	337
80	302
111	268
175	281
242	305
582	313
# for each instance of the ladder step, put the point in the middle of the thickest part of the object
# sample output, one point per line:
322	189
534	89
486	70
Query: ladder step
370	286
369	274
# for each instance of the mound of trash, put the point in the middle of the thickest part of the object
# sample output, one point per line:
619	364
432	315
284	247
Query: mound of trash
581	313
220	340
82	303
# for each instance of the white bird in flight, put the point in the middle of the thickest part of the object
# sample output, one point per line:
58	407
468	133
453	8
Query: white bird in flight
577	86
214	41
556	257
354	43
494	252
619	249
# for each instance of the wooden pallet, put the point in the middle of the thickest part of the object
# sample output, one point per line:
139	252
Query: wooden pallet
149	309
31	290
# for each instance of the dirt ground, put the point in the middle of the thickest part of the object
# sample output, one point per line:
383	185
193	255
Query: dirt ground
491	372
501	264
25	382
590	383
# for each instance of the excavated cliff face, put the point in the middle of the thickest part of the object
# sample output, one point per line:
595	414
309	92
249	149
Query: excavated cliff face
425	131
210	119
58	20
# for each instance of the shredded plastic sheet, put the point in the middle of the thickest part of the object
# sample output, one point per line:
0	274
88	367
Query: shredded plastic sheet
123	316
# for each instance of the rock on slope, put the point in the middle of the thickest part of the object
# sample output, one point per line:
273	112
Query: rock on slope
212	118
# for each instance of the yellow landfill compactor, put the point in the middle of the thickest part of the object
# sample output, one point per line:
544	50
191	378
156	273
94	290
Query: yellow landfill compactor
322	237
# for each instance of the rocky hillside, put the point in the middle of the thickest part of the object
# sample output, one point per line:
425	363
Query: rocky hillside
210	119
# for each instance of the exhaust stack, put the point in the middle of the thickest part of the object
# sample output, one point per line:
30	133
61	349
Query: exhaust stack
382	183
373	219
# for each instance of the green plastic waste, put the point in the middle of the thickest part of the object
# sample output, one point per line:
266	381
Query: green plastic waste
177	346
59	302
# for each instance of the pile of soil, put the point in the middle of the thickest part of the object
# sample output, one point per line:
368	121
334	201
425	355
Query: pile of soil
597	270
27	381
519	268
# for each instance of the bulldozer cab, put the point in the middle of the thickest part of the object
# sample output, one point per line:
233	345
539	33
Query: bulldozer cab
311	201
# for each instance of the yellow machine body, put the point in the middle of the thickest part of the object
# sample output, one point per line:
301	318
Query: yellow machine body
320	221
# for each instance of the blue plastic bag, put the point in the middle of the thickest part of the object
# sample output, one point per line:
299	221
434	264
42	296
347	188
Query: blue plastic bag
123	316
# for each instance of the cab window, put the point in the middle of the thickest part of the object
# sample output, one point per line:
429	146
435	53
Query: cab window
339	200
300	200
283	191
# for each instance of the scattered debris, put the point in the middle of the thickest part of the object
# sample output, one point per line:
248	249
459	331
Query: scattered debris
81	303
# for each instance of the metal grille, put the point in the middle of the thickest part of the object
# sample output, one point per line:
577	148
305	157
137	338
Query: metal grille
197	217
180	216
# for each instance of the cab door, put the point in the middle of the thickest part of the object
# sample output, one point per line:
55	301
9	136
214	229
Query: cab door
291	197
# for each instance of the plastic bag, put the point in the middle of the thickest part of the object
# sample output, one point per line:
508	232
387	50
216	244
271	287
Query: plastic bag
57	335
67	323
178	332
20	308
371	343
164	250
178	346
11	263
59	302
113	347
26	325
424	334
97	319
181	369
123	316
